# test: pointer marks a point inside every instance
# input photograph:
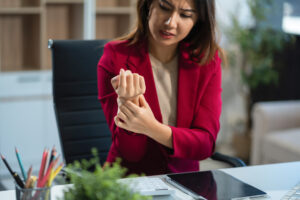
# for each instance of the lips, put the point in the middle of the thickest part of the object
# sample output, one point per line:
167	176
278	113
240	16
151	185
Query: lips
166	34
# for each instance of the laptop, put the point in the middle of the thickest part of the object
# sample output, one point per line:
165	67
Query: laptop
213	185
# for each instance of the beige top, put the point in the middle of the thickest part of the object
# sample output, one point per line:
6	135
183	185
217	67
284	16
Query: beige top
165	77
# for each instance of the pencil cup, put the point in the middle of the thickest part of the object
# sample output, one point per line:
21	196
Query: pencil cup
32	193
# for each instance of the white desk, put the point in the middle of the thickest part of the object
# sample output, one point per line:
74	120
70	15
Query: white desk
274	179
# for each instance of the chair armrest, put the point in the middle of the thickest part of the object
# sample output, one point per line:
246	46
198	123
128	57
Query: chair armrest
271	116
233	161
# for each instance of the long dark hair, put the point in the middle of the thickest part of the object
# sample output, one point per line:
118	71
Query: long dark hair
202	40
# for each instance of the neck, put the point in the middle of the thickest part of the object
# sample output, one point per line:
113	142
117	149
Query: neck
163	53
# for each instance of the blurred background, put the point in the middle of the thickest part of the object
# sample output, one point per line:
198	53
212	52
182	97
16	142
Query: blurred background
260	122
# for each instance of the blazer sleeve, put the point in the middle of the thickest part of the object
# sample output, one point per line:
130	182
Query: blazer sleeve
127	145
198	141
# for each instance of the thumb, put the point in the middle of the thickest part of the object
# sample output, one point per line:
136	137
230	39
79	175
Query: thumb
115	82
143	102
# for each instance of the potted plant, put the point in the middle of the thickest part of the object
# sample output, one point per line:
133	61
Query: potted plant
255	51
99	183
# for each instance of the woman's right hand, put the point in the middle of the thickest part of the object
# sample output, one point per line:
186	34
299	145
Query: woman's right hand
128	85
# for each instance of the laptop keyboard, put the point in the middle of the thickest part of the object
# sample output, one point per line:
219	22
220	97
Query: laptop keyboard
148	186
293	194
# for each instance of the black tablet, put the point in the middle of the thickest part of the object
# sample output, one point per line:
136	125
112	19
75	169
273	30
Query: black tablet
213	185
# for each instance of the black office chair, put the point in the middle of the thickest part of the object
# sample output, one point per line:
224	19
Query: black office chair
81	122
79	116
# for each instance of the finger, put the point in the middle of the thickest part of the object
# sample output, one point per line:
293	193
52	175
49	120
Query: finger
129	85
120	101
119	123
115	82
115	78
136	83
143	101
126	111
127	72
122	82
122	116
132	107
142	84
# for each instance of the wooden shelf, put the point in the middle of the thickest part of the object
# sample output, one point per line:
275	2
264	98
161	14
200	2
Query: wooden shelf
26	26
113	3
114	10
20	3
114	18
20	41
63	22
20	11
64	1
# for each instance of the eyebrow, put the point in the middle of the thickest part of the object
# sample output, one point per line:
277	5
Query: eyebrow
188	10
182	9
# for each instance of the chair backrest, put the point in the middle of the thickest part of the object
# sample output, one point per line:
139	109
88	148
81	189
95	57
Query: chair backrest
80	119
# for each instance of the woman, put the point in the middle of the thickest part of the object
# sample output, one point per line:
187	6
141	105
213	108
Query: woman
172	52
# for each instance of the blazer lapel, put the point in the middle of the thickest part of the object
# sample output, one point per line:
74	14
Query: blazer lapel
186	89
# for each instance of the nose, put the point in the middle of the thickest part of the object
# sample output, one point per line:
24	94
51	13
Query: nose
172	21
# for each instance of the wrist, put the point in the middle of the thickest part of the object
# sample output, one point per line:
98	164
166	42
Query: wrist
161	133
154	127
134	100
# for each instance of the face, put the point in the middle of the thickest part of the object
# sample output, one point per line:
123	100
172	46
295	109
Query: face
170	21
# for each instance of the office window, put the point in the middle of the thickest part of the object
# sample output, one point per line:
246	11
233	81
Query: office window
291	17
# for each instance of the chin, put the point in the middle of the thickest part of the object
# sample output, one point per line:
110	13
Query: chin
167	43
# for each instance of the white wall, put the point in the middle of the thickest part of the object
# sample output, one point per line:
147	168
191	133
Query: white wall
27	118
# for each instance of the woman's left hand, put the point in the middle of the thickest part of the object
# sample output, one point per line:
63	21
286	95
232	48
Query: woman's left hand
128	85
134	118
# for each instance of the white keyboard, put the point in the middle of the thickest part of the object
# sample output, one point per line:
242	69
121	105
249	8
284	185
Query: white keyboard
293	194
148	186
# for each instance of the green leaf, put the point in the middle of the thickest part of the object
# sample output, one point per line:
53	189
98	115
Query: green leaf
100	184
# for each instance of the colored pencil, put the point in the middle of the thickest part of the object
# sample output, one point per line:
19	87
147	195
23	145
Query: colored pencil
42	167
6	164
28	177
53	154
14	174
21	164
45	178
54	174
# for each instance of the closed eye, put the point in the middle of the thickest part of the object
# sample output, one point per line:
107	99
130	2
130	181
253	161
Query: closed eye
185	15
164	7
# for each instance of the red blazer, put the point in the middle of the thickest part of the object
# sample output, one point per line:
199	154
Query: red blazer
198	111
